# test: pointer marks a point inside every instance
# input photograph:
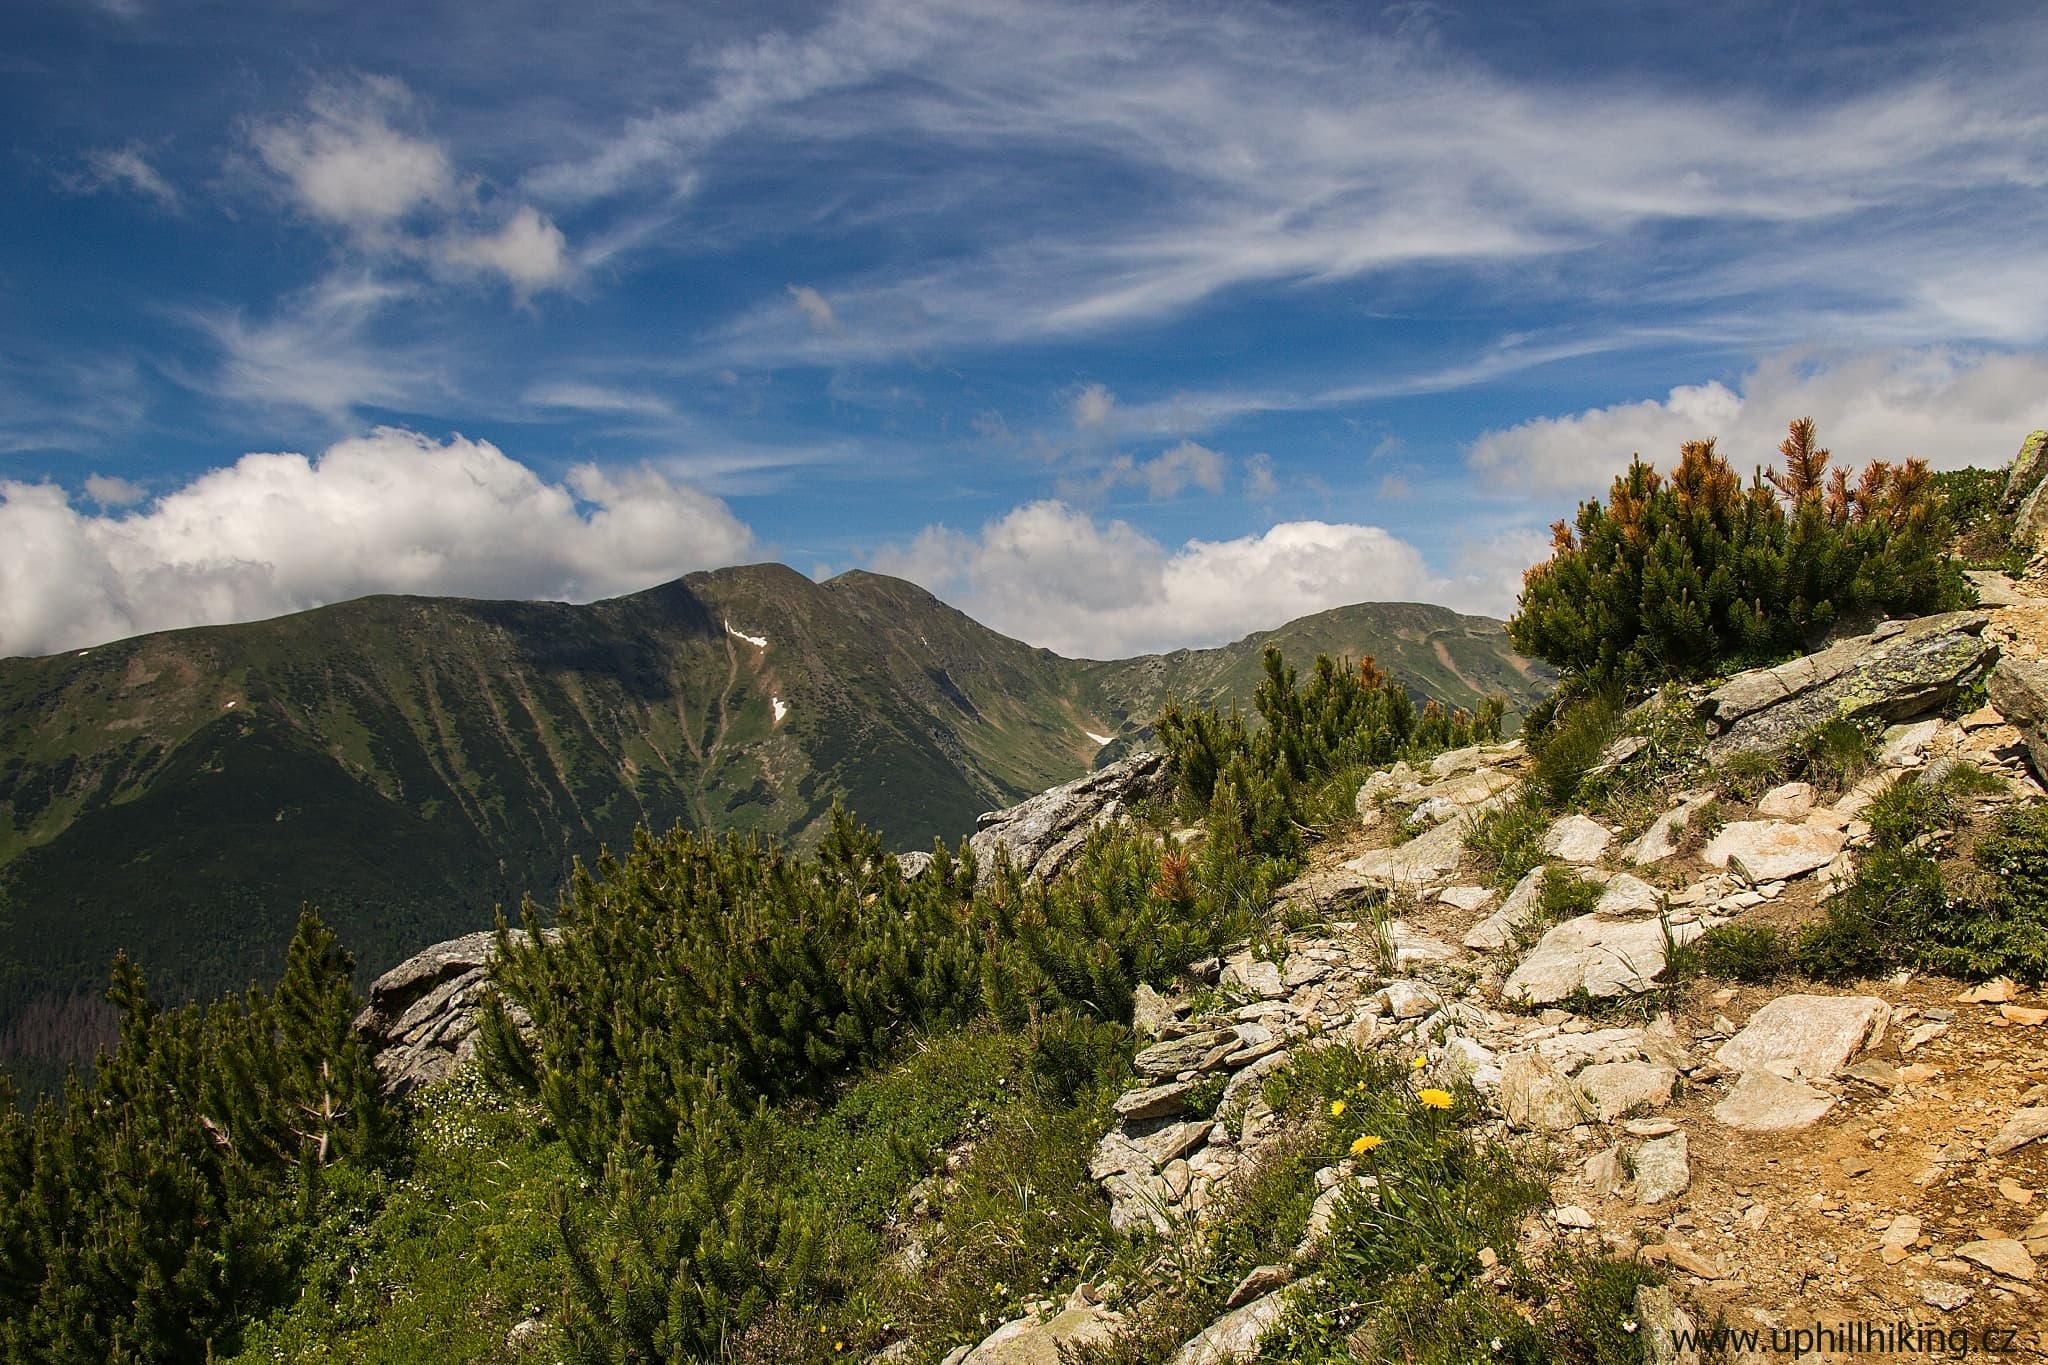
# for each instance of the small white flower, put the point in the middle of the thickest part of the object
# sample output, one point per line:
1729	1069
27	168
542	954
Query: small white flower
1629	1326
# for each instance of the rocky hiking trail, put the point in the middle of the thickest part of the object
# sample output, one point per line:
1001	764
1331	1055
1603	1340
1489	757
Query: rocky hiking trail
1788	1155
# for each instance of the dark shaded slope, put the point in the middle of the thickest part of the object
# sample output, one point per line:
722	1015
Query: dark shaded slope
406	763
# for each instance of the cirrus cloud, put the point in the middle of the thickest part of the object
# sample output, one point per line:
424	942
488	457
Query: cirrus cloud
392	511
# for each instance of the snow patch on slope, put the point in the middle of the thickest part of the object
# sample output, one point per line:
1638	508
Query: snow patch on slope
757	641
1099	739
780	709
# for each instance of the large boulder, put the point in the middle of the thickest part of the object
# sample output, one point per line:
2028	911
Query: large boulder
2019	690
1895	672
1236	1335
2028	470
1042	835
1032	1341
2026	492
1602	957
422	1016
1424	859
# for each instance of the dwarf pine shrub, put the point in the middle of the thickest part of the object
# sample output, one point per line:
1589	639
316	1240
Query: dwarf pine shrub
1690	575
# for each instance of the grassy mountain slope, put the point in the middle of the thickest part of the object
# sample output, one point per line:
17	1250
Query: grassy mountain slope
405	763
1434	651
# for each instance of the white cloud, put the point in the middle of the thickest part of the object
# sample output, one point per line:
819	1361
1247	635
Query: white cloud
389	512
1259	483
529	251
1266	144
125	167
345	162
398	194
1166	475
112	491
318	352
576	397
1949	407
1093	407
817	312
1049	574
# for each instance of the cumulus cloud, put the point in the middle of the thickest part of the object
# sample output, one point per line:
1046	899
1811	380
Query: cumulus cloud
1949	407
109	490
1166	475
529	251
346	164
1051	575
816	310
389	512
397	193
1093	407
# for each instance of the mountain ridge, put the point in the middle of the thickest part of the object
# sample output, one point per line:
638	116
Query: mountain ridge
405	763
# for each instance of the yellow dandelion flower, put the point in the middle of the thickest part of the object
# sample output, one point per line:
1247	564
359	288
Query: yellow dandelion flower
1364	1145
1419	1063
1336	1109
1435	1099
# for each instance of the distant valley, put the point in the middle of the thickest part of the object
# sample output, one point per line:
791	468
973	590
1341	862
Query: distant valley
403	764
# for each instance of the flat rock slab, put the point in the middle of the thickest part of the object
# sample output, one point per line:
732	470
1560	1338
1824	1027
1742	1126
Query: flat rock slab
1905	746
1255	975
1577	839
1505	925
1773	850
1814	1036
1536	1095
1789	802
1663	1169
1660	840
1603	957
1180	1054
2001	1255
1613	1089
1763	1103
1468	898
1626	894
1154	1102
1897	671
1040	836
2028	1125
1420	861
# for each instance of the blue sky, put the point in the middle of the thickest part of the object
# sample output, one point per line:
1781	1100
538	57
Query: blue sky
1120	326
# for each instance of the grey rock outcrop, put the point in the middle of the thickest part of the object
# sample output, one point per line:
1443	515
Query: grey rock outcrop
2024	495
1235	1336
2020	692
1032	1341
1042	835
422	1016
2029	469
1895	672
